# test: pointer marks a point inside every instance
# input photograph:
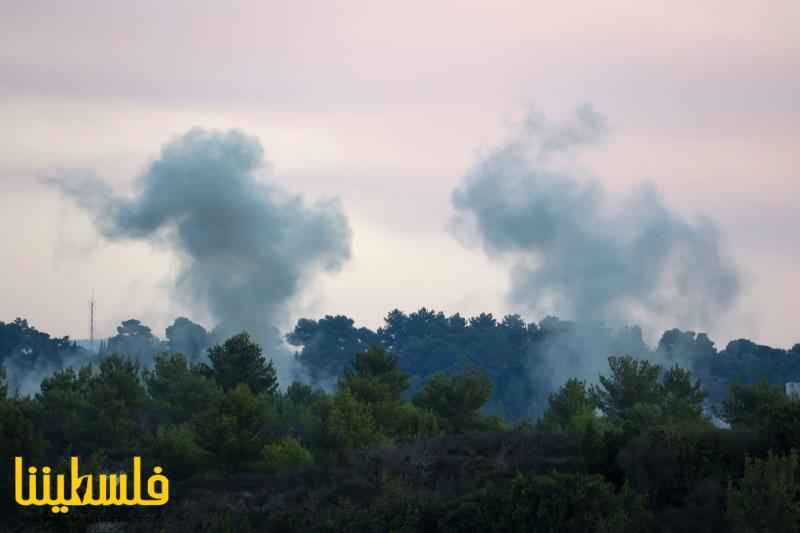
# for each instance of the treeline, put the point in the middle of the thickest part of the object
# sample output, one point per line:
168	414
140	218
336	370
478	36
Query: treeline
27	354
632	453
524	361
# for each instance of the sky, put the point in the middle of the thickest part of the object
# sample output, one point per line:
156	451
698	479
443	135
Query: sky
386	106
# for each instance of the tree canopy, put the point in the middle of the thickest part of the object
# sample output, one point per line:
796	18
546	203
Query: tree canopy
239	361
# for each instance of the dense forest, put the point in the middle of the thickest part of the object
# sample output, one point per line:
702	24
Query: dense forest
431	423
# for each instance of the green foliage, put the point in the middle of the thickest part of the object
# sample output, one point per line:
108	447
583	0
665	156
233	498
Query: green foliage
117	400
514	353
176	449
95	408
457	399
403	420
767	409
329	344
62	408
569	408
667	463
572	503
350	423
236	430
426	342
133	340
599	445
747	405
188	338
639	394
746	362
29	352
299	420
767	498
301	393
376	382
653	463
375	377
632	381
240	361
18	436
178	390
782	425
286	454
681	397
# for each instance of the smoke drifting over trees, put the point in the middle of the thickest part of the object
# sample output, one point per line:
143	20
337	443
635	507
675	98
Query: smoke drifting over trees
248	248
246	245
575	254
28	355
634	452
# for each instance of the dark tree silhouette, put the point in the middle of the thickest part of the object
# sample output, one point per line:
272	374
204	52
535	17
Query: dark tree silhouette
239	361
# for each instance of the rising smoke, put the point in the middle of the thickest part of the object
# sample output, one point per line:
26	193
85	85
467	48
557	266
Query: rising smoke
247	247
575	253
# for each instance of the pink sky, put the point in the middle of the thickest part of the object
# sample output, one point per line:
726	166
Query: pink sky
387	104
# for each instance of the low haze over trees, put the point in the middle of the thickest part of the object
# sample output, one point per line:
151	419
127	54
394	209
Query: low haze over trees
407	428
527	361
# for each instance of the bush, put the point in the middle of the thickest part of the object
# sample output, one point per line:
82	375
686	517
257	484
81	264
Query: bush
286	454
767	499
176	449
350	424
579	503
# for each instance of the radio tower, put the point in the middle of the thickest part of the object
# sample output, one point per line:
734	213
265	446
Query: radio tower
91	321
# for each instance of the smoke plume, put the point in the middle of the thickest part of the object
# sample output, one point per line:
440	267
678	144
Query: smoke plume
247	246
573	252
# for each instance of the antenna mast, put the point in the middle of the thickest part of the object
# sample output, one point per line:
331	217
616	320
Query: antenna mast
91	321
